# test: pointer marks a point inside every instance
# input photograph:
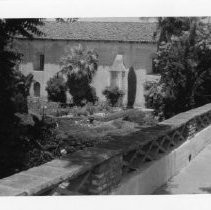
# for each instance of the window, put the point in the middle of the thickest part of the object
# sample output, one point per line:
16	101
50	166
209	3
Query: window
39	62
42	62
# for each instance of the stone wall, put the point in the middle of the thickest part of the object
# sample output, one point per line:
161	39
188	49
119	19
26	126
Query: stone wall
101	169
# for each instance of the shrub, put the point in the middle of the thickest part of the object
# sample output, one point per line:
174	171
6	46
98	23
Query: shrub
113	95
103	106
62	112
90	108
32	142
150	88
91	95
56	89
80	67
162	101
22	86
79	111
84	96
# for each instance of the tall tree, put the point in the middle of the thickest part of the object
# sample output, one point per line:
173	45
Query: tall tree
9	29
184	62
171	26
14	88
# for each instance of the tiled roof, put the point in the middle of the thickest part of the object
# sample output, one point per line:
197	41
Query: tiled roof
100	31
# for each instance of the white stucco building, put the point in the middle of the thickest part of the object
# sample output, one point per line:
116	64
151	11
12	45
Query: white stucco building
125	52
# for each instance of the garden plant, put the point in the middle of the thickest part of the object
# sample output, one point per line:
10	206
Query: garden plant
184	63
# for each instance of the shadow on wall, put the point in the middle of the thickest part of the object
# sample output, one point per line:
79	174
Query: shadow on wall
131	87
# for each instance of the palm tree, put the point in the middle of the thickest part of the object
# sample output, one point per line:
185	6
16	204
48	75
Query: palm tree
79	66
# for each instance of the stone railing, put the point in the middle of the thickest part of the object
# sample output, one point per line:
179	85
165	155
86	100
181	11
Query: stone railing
100	169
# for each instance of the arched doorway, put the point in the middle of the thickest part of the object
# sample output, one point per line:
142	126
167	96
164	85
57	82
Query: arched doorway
131	87
37	89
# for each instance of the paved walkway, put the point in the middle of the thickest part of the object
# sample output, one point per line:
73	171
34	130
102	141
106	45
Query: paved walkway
194	179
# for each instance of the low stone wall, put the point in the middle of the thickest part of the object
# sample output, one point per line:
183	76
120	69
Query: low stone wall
101	169
149	177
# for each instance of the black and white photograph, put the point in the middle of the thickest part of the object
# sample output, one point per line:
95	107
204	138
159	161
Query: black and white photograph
109	105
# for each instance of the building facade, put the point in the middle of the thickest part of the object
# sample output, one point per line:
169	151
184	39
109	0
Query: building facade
125	53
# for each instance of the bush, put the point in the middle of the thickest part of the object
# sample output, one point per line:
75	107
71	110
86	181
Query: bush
150	88
22	86
79	111
84	96
157	98
103	106
56	89
91	95
80	67
32	142
90	108
113	95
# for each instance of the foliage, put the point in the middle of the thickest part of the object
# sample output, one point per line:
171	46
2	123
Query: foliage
141	117
103	106
84	96
42	144
113	95
21	91
14	88
155	98
150	88
79	111
90	108
38	105
8	76
56	89
80	67
171	26
184	62
31	142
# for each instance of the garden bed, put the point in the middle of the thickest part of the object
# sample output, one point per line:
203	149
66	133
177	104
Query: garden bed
85	131
56	133
85	126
